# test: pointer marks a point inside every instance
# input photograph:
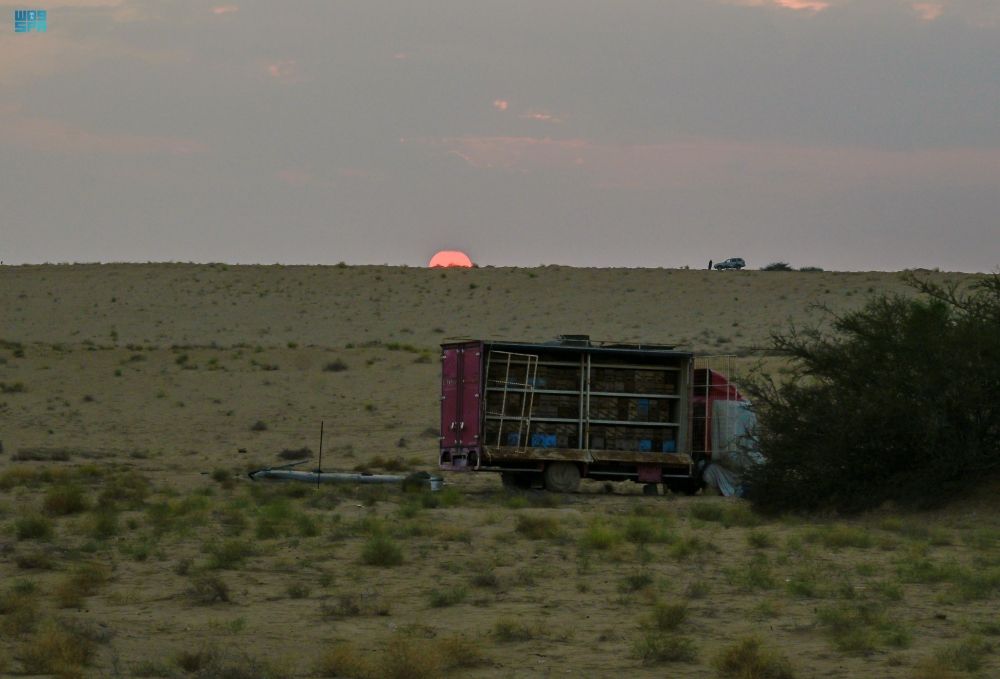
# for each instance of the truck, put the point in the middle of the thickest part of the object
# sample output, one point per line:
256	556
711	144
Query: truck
552	413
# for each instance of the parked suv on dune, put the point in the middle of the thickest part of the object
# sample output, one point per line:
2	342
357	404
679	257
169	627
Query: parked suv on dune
731	263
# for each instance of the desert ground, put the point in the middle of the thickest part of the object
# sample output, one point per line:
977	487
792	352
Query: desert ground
135	397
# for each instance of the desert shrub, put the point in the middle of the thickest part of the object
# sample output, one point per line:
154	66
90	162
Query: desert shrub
209	589
634	582
64	499
297	590
104	524
537	527
811	269
777	266
653	647
124	491
229	554
511	629
862	628
895	404
38	559
33	527
345	660
643	530
667	617
56	650
750	659
335	366
758	539
442	598
82	582
381	550
600	536
18	612
486	579
259	425
967	655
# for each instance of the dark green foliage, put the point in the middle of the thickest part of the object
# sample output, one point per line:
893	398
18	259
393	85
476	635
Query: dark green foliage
777	266
381	550
899	403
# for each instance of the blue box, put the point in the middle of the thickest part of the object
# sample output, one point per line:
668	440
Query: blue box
645	445
643	408
543	440
670	446
513	438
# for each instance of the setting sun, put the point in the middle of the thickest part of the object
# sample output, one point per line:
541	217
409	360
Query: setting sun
446	258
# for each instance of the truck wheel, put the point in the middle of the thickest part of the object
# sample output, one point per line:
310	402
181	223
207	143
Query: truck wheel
515	480
562	477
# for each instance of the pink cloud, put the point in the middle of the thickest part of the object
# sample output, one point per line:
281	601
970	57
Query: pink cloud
500	104
286	70
811	5
55	136
797	5
540	116
928	11
225	9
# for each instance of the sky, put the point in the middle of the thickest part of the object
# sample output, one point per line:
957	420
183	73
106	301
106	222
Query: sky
844	134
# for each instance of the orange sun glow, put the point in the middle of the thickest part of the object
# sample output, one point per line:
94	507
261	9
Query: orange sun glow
450	258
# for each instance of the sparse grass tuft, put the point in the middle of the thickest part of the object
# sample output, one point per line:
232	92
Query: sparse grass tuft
381	550
840	536
345	660
64	499
750	659
442	598
643	530
209	589
537	527
229	554
654	647
19	610
862	628
83	582
967	655
509	630
56	650
667	617
33	527
759	539
600	536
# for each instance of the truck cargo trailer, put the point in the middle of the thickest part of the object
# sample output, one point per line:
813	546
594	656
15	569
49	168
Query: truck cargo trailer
552	413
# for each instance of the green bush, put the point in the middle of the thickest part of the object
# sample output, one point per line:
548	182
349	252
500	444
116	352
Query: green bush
64	499
33	527
656	647
749	659
381	550
896	403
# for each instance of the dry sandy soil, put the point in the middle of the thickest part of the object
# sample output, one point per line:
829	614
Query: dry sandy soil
135	397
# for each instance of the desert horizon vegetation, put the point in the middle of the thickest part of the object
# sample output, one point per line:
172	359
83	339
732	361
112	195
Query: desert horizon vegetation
135	397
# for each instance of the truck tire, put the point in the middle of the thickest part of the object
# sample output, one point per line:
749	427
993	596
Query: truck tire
562	477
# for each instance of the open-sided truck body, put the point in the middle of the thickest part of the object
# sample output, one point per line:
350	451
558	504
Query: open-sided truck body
554	412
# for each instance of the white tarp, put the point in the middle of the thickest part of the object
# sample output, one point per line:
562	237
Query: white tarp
734	449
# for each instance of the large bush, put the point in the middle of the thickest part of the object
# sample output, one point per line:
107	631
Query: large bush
898	402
